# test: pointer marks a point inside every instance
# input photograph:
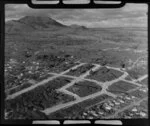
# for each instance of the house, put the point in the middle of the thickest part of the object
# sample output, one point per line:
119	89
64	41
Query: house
121	101
128	98
132	97
108	107
110	103
100	112
143	114
116	103
134	109
84	113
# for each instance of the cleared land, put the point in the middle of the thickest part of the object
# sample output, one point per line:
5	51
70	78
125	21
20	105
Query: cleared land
39	98
144	81
121	87
84	88
104	74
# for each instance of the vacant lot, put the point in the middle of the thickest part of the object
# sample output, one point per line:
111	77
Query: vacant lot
121	87
80	70
40	98
84	88
104	74
144	81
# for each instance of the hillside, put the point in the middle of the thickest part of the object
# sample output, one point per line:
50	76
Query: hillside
32	35
32	23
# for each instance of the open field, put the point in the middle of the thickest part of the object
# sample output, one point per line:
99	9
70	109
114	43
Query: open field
104	74
144	81
84	88
38	99
121	87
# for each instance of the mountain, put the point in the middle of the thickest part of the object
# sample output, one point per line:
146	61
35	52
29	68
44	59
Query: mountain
31	23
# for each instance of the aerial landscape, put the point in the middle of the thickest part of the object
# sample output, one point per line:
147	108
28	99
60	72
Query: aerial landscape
59	71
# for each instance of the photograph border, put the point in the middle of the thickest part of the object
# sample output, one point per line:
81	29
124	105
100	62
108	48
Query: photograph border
143	122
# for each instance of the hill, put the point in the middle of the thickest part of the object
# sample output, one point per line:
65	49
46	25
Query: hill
31	23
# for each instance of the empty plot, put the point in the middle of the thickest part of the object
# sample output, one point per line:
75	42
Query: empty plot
104	74
40	98
80	70
57	83
84	88
121	87
144	81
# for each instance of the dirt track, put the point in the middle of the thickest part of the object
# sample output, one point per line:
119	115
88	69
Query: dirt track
77	79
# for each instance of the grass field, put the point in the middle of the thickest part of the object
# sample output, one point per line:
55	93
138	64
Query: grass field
144	81
104	74
39	98
84	88
121	87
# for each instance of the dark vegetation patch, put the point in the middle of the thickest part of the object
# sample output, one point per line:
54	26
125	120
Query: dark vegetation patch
40	98
104	74
121	87
144	81
84	88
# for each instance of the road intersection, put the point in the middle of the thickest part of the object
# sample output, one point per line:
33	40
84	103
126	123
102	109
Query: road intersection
74	80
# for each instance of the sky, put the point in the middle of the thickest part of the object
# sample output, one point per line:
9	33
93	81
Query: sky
131	15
